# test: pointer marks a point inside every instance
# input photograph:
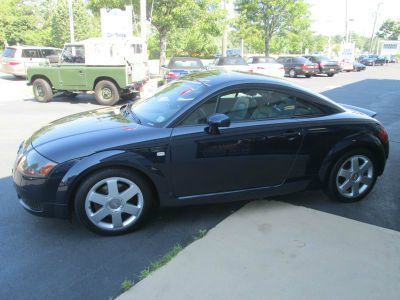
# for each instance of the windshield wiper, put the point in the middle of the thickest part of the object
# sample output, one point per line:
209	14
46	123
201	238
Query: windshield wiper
127	108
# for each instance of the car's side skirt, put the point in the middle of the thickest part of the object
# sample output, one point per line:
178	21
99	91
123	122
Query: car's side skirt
238	195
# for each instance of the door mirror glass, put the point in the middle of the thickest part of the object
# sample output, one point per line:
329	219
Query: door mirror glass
215	122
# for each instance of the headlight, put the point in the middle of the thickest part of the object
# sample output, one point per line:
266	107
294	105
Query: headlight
35	165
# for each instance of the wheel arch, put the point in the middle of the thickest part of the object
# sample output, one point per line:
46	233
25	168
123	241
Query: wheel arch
81	170
100	78
40	76
367	142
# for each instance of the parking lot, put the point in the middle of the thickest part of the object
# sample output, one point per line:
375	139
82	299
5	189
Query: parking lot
48	257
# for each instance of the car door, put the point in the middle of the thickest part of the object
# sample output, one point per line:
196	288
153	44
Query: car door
257	150
72	69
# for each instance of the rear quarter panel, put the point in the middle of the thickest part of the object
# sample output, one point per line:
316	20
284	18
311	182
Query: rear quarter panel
117	73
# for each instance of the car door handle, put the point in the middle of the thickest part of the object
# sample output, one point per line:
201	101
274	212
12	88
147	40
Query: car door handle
291	134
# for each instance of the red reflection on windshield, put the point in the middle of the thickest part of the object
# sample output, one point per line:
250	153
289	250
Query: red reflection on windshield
186	91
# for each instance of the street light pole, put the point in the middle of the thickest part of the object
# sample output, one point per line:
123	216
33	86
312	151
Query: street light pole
347	25
71	21
373	28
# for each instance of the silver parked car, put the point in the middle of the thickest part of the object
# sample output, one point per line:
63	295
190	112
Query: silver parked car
16	59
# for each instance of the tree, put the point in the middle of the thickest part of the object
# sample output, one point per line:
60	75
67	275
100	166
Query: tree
390	30
273	17
84	23
22	22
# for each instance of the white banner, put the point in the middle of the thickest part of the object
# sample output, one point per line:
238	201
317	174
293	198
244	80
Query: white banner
116	23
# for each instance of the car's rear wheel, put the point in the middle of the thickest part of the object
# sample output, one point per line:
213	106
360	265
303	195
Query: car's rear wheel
352	177
113	201
308	75
292	73
106	93
331	74
42	90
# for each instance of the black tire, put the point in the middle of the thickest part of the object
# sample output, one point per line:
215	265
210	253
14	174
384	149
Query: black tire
331	188
69	94
292	73
331	74
149	201
308	75
106	93
42	90
129	96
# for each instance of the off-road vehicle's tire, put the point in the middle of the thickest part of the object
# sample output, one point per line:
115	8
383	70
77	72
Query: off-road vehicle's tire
114	201
106	93
42	90
352	176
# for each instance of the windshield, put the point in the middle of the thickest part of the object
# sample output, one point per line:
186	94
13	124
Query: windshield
186	63
265	60
167	102
232	61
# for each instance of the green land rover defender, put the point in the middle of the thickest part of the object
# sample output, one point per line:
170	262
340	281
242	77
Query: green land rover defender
112	68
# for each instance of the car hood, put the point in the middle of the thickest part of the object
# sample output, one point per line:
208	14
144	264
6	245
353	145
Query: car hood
89	132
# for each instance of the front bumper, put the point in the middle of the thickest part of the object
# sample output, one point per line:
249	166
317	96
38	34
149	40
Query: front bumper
37	196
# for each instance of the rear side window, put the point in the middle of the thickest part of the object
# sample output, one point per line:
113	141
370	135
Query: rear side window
9	52
73	54
300	60
30	53
186	63
48	52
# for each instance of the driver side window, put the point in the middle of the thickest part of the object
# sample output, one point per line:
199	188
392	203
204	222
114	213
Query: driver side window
252	105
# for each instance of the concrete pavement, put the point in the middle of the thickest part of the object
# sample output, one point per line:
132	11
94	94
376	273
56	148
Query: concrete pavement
274	250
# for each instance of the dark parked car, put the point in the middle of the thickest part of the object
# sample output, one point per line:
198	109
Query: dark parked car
358	66
325	64
295	66
180	66
372	60
210	138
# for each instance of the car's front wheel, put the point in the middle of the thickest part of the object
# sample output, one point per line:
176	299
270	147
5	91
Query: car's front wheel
113	201
352	177
42	90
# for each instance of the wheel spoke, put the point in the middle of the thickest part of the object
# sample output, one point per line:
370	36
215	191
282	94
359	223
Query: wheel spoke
97	198
345	173
131	209
355	164
112	186
100	215
366	180
365	166
129	193
117	219
355	189
346	185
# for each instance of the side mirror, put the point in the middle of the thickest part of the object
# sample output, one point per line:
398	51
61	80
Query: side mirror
215	122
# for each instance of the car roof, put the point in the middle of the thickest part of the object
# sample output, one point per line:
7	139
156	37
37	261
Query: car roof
217	77
31	47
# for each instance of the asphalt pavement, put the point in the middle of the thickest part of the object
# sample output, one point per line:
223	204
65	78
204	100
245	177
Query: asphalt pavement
47	258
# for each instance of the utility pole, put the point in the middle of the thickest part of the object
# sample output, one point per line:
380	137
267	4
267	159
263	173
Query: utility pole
143	29
347	24
373	28
71	21
225	34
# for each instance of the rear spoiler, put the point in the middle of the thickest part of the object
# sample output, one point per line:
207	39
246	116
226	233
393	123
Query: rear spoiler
367	112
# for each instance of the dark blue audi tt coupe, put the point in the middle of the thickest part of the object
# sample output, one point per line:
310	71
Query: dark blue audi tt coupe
207	138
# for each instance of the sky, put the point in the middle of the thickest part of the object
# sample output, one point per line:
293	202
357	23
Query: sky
328	16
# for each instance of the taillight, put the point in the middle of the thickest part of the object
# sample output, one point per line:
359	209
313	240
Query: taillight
303	66
13	63
172	75
320	65
383	135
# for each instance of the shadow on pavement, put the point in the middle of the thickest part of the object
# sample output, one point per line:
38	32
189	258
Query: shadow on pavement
382	206
82	98
58	259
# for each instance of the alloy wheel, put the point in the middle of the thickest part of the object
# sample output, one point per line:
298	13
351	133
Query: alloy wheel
355	176
114	203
